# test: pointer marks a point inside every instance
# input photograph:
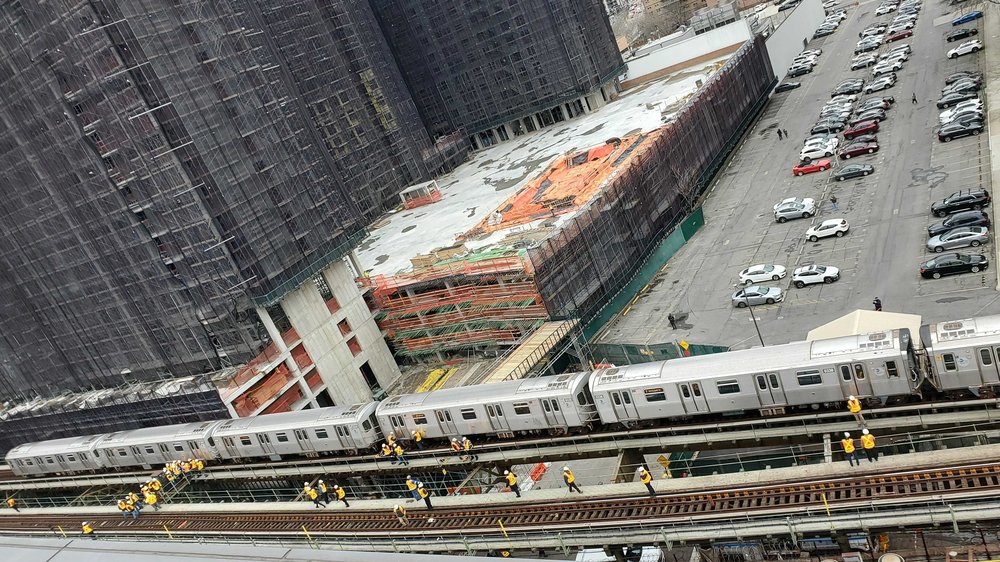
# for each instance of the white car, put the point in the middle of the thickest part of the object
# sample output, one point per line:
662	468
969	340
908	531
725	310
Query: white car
830	227
814	151
812	274
862	61
967	114
885	9
973	104
965	48
816	52
762	272
883	82
899	56
811	60
832	142
799	200
904	48
897	27
885	67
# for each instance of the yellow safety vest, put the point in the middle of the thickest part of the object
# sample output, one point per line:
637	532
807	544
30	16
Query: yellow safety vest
511	479
645	477
322	487
568	475
418	437
399	451
467	445
156	485
399	510
854	405
848	445
312	494
341	493
150	499
411	485
868	441
423	492
88	530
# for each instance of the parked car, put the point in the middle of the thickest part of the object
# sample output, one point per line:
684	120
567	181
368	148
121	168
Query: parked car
959	238
853	171
961	34
757	294
962	87
786	86
873	103
867	46
852	86
816	52
866	138
812	274
885	67
966	18
953	263
964	218
861	129
814	150
899	35
762	272
963	115
885	9
804	168
844	98
863	61
963	75
794	211
960	107
858	149
798	70
810	60
830	227
827	127
897	27
964	200
883	82
966	48
904	49
957	129
823	31
953	98
885	99
869	115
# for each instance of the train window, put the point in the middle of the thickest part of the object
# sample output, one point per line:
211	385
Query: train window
626	398
70	458
685	391
696	389
521	408
419	419
581	399
949	361
986	356
49	460
859	371
245	440
282	437
761	382
774	380
468	413
728	387
555	404
655	395
28	462
447	415
322	434
890	368
122	453
845	372
178	447
366	425
490	411
499	411
150	450
547	408
616	399
809	378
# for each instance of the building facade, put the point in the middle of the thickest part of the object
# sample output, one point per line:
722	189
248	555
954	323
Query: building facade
500	69
174	170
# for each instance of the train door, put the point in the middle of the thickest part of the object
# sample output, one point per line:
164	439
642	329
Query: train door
693	398
138	455
305	444
445	422
987	357
854	379
769	389
265	443
230	447
497	419
343	436
621	400
555	418
847	383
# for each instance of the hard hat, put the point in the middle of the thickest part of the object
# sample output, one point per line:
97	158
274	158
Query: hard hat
335	486
506	472
847	434
305	484
396	506
851	397
454	439
320	481
420	485
86	522
565	468
641	468
408	477
864	432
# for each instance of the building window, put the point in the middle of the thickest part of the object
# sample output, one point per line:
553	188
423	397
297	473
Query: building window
354	346
344	326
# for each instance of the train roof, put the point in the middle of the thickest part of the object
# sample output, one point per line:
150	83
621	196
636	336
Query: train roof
753	360
951	332
295	420
159	434
55	446
568	383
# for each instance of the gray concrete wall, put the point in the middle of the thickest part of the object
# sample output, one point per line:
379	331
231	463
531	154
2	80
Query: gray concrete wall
791	35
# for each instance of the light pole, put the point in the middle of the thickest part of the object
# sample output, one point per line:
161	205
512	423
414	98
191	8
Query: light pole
752	317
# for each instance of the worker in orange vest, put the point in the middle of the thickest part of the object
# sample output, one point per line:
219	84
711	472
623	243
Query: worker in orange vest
868	442
849	450
854	405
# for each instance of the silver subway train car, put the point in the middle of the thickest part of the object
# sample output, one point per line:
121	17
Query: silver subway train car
963	354
68	455
156	446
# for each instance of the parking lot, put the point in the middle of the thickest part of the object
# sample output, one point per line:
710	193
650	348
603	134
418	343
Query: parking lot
888	211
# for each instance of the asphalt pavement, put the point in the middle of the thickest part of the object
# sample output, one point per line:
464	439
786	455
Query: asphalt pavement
888	211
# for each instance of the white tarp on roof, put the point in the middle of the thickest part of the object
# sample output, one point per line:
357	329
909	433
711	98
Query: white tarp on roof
866	322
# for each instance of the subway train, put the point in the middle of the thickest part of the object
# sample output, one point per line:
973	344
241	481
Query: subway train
957	357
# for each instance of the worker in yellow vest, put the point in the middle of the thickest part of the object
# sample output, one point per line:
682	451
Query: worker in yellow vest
456	447
313	495
512	482
87	530
155	485
169	475
418	438
854	405
467	447
646	478
397	451
868	442
130	508
391	440
200	463
400	513
425	494
134	498
341	495
123	507
847	443
324	492
411	485
387	451
151	500
12	503
570	479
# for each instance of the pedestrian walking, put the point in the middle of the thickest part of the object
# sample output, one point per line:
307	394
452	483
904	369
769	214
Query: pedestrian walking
570	479
878	304
854	405
313	495
646	478
833	201
12	503
512	482
426	495
456	447
341	495
398	453
672	321
467	447
418	438
868	443
87	530
914	99
400	512
324	492
411	485
780	137
849	450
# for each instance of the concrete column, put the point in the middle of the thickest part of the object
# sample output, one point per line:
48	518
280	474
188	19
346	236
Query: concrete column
352	258
562	111
272	330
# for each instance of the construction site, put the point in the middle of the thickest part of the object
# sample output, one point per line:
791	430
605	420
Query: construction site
522	245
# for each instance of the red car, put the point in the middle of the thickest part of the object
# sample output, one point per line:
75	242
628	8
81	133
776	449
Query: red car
810	167
861	128
899	35
857	149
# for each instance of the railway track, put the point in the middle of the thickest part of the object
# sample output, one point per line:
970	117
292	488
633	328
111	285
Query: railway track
914	487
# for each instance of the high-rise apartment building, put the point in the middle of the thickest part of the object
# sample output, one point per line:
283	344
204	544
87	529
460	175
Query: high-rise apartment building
497	69
173	169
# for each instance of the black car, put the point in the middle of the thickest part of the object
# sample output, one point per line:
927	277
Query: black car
967	199
952	263
957	129
864	139
787	86
869	115
961	33
827	127
949	100
873	104
865	48
962	74
965	218
853	171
